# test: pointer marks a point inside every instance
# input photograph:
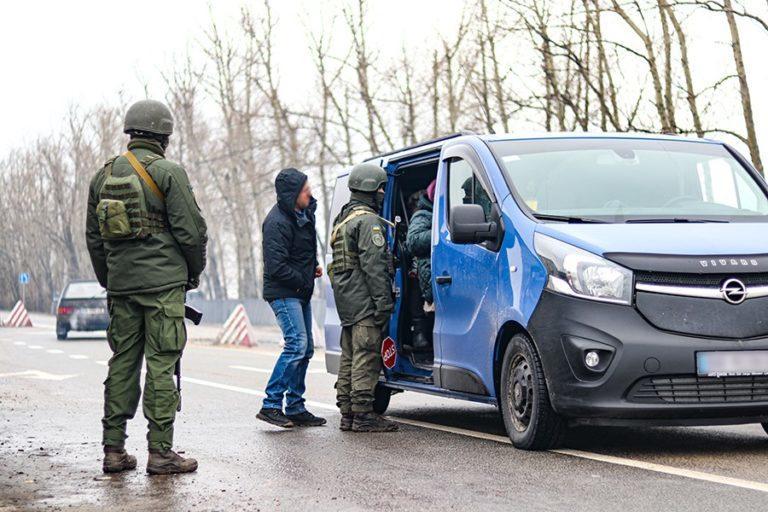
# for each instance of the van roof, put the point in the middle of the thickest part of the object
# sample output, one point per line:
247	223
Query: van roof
532	135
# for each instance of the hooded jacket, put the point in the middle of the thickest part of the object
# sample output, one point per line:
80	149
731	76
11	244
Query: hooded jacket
289	242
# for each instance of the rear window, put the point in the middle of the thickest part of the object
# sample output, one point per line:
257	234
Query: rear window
85	290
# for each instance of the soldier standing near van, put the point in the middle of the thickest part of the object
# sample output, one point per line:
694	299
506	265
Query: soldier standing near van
146	238
361	276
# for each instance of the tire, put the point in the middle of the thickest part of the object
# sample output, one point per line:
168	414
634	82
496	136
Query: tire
61	334
381	396
530	421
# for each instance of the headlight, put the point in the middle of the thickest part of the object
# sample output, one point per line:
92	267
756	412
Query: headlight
574	271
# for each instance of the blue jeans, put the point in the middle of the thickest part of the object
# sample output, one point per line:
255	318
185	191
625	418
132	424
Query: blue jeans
294	317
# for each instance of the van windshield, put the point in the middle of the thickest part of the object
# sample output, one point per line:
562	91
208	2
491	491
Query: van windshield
631	180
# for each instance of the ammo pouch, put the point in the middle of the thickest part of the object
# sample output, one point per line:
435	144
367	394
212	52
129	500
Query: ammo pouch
122	209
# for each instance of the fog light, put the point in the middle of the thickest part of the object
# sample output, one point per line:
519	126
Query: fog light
592	359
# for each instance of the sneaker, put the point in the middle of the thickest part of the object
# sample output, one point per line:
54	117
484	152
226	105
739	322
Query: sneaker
168	462
306	419
346	421
372	422
117	460
275	417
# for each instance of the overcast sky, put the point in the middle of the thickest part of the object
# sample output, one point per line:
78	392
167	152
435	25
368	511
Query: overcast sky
58	53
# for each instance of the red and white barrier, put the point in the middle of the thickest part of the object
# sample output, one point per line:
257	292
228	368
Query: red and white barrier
237	329
18	317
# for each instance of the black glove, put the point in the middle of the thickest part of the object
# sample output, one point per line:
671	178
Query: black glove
192	283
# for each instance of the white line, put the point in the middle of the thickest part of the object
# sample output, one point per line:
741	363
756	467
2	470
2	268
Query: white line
660	468
20	343
102	363
609	459
34	347
249	391
78	356
55	351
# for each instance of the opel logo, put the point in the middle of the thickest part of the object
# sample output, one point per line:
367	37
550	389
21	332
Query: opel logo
734	291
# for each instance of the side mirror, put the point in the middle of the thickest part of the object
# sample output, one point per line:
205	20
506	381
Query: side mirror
468	225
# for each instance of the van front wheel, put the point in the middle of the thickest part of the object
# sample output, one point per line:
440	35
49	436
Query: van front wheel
530	421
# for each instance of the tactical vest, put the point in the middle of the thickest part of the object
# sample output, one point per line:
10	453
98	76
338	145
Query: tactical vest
122	209
345	259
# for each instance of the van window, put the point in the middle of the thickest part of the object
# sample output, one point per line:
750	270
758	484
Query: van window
340	197
623	179
464	187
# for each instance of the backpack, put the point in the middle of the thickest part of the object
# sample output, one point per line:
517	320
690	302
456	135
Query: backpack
122	209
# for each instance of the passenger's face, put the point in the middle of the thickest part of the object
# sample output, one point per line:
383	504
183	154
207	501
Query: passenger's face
302	200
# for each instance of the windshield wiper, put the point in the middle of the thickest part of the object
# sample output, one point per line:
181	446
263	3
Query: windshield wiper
674	221
569	219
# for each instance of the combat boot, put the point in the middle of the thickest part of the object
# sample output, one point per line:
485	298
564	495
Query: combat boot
168	462
346	421
372	422
117	460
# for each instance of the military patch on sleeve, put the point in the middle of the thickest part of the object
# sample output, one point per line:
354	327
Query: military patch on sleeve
377	237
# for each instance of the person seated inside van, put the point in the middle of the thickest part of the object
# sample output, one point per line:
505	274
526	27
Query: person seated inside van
419	245
475	194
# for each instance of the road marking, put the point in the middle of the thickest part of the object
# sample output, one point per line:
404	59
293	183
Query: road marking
54	351
34	347
102	363
78	356
20	343
248	391
267	370
609	459
37	374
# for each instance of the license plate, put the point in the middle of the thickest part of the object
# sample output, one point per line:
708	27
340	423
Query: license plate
732	363
93	311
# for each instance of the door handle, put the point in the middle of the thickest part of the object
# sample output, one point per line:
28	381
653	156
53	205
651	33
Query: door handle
443	279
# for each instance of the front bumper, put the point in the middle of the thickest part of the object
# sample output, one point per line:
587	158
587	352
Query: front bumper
563	327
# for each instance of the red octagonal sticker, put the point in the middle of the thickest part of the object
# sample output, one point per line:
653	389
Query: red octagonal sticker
388	353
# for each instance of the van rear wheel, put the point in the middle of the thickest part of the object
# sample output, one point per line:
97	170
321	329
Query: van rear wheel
530	421
381	396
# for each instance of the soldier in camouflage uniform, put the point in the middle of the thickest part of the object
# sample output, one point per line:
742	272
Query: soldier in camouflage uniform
146	238
361	276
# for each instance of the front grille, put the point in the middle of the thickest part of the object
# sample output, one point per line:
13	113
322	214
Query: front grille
709	280
691	389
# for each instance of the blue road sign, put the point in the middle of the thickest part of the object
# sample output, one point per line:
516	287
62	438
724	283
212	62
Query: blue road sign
23	278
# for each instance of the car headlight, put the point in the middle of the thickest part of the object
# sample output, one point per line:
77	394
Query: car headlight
574	271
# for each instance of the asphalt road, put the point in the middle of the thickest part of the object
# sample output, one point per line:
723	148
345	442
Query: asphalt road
448	455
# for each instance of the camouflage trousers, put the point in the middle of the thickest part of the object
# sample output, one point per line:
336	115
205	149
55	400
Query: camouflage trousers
360	366
143	326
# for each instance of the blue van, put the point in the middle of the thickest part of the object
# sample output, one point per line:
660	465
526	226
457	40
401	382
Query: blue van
581	279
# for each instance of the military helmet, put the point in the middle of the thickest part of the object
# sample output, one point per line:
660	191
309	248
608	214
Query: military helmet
149	116
367	178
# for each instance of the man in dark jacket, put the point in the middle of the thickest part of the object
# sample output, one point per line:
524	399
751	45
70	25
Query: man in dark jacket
419	245
289	243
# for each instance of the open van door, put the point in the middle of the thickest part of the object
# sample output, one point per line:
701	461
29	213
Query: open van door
464	277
